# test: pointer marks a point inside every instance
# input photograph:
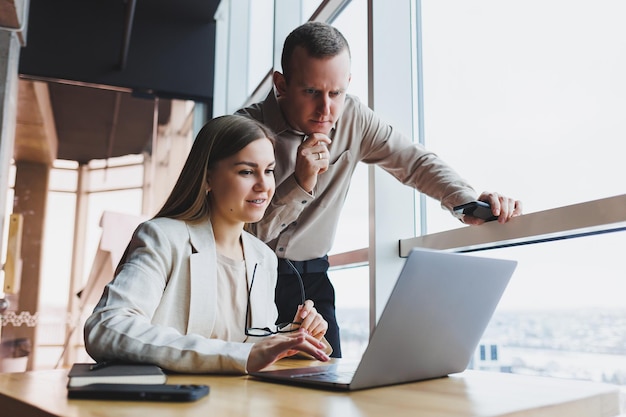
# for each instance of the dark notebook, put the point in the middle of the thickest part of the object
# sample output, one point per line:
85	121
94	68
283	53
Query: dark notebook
117	373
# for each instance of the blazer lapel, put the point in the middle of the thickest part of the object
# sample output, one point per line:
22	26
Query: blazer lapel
203	278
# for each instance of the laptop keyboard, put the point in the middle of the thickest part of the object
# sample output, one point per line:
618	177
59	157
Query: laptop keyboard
345	376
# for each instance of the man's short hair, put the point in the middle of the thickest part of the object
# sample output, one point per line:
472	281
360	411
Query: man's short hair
320	40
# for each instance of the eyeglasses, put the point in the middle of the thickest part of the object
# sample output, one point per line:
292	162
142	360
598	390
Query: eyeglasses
281	327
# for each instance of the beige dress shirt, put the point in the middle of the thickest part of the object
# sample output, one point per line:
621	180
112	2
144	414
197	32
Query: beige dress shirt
300	226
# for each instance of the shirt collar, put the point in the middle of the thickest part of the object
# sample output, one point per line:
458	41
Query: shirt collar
273	115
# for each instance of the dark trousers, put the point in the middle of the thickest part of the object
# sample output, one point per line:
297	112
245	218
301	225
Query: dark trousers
317	287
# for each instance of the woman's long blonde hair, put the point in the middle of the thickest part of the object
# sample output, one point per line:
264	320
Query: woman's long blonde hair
218	139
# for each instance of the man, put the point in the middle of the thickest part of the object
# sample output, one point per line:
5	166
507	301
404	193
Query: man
322	133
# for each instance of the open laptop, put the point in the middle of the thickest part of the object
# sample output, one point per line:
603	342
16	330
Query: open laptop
429	328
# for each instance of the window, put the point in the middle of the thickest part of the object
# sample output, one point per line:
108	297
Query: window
261	41
562	313
526	98
114	185
352	283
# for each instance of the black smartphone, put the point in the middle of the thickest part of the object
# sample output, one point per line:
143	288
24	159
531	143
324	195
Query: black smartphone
139	392
478	209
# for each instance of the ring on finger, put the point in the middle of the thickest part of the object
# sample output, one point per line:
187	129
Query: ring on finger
319	156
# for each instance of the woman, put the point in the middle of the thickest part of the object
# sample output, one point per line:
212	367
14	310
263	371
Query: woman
183	290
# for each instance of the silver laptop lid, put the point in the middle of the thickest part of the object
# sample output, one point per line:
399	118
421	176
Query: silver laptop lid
434	318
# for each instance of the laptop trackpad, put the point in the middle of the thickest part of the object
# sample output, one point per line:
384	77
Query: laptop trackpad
341	373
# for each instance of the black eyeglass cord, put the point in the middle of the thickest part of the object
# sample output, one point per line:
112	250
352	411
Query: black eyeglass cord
266	331
299	278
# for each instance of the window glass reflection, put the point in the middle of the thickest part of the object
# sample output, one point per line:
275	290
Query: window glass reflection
309	7
353	230
63	180
563	314
55	276
261	41
352	294
526	98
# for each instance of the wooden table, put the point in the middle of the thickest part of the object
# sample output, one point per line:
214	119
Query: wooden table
471	393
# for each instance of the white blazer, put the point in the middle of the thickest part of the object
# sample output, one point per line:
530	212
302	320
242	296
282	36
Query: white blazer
161	305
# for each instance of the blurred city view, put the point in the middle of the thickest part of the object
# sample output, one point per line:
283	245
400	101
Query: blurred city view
584	344
588	344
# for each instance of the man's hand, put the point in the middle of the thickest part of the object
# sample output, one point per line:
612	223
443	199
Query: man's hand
312	160
504	207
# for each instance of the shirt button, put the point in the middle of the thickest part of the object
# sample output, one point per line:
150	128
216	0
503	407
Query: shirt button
303	201
281	249
283	225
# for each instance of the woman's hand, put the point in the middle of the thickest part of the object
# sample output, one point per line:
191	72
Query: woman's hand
272	348
311	321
